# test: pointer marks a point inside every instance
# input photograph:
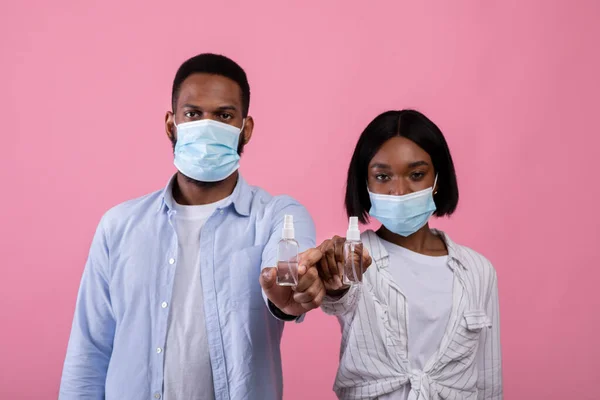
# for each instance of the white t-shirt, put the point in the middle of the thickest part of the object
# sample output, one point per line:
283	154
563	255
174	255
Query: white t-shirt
426	283
187	370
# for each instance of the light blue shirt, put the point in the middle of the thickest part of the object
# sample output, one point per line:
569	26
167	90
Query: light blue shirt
116	348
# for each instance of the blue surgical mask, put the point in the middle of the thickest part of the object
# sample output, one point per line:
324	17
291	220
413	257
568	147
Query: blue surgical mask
406	214
207	150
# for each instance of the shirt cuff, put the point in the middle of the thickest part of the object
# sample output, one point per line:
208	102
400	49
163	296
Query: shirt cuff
340	305
280	315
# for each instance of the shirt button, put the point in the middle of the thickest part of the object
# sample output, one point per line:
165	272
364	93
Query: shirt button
221	212
171	261
157	395
164	304
158	350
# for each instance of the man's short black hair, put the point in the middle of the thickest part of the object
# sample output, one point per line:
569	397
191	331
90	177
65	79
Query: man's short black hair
416	127
215	64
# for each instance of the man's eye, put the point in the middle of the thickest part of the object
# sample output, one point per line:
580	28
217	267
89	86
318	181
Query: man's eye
191	114
226	116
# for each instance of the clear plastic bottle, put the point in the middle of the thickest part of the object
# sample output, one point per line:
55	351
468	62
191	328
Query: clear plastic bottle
353	251
287	255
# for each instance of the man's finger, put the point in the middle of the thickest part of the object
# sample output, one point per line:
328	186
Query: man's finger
268	278
279	295
316	302
301	270
306	280
310	294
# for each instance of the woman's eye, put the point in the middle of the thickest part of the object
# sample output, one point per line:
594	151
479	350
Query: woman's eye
191	114
417	176
381	177
226	116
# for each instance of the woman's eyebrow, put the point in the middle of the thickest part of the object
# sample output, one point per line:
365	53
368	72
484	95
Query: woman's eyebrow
418	164
380	166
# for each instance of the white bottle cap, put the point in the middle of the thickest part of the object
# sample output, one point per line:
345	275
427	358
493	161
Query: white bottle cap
353	233
288	227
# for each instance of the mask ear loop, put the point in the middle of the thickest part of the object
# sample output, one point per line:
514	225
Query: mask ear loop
175	125
242	131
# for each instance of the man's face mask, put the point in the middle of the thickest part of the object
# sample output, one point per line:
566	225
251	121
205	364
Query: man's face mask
207	150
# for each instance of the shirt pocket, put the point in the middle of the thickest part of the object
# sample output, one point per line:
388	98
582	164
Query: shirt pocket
467	336
245	268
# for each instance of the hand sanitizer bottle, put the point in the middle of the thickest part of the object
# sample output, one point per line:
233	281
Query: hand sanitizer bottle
287	255
353	251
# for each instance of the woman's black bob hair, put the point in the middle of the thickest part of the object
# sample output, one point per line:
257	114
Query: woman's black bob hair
416	127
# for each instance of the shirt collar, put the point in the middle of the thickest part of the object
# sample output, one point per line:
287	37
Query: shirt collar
455	252
381	257
241	197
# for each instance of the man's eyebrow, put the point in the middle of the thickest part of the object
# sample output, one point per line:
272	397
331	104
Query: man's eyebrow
227	108
191	106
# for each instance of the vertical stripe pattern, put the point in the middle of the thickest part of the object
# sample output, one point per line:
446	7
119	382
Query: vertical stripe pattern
373	318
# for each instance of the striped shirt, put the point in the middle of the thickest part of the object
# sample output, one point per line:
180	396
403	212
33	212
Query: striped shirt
374	348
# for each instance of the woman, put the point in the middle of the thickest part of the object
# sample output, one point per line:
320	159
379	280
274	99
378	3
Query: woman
424	323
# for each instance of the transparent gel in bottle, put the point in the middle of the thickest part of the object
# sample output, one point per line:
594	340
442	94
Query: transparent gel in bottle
353	252
287	255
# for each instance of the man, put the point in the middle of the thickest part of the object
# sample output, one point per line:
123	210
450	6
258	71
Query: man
170	306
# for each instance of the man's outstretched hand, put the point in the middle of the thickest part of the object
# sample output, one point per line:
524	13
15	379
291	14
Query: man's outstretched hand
305	296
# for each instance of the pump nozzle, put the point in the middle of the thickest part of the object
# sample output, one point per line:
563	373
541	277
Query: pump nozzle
353	233
288	227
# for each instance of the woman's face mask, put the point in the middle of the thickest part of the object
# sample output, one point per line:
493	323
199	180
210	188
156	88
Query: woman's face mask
405	214
401	186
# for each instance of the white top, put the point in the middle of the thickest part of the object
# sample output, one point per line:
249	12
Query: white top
187	371
375	358
426	283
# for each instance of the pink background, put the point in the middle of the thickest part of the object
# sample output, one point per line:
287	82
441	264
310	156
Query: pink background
513	84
